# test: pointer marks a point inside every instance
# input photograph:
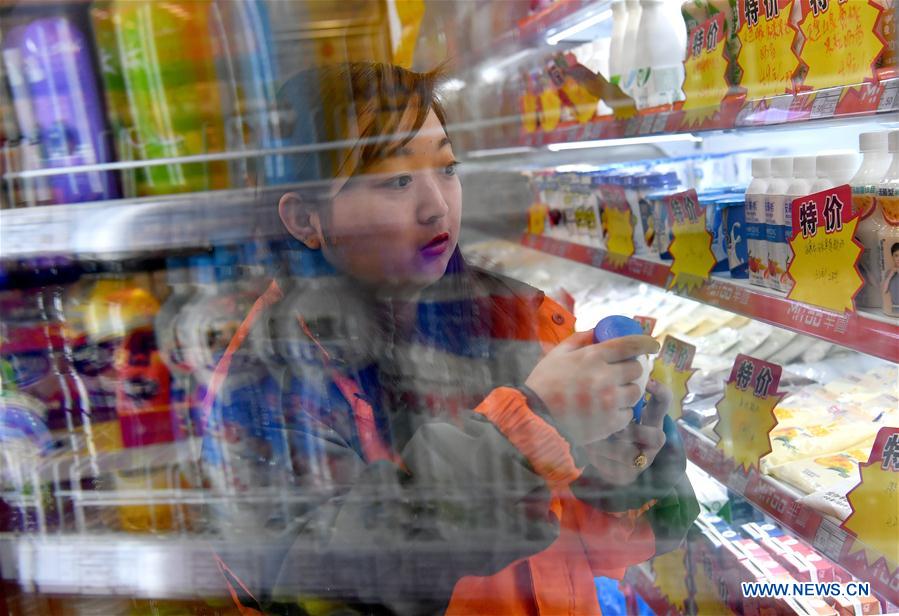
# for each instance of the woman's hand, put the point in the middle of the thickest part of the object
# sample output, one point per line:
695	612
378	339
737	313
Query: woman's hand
589	388
614	457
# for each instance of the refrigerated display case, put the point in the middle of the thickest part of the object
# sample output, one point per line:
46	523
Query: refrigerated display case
609	159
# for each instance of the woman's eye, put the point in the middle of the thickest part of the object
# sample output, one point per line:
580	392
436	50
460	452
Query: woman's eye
400	181
450	169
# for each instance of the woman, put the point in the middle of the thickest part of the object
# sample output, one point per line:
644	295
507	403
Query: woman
419	506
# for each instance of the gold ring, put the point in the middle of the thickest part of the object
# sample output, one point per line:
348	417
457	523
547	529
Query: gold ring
640	460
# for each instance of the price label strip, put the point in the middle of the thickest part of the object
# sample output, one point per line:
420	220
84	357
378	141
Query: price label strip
673	367
825	254
841	43
705	72
620	225
746	411
691	247
874	520
825	103
889	101
766	47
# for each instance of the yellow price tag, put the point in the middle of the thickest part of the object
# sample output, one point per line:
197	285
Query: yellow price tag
746	411
537	214
841	44
618	224
705	69
550	109
766	47
875	501
691	247
671	576
673	368
529	112
825	254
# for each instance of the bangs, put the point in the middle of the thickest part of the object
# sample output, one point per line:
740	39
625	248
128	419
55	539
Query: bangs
380	101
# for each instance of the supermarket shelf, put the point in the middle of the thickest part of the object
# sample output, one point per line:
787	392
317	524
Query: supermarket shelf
128	226
529	36
735	112
866	332
185	566
780	501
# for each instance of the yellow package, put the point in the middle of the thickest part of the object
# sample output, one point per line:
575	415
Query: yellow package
790	443
824	472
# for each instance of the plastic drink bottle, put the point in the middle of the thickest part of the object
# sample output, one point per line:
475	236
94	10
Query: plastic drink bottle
875	162
171	349
67	109
775	195
173	94
888	233
616	326
38	191
248	73
756	239
800	185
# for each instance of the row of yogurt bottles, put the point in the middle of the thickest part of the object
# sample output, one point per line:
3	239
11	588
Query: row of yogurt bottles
779	181
572	206
114	360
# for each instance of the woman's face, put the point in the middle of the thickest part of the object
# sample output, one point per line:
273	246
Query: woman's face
896	259
395	226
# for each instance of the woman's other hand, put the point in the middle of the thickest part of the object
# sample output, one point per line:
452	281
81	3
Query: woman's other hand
615	457
589	388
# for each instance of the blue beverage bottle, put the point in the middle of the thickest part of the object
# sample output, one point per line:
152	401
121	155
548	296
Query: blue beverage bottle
616	326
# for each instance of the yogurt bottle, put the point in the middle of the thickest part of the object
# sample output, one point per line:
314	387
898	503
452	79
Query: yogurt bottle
755	220
775	196
800	185
888	233
875	162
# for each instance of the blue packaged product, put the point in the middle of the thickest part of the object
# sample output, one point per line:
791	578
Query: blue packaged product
734	220
715	226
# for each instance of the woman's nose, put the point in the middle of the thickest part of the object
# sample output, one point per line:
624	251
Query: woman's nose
431	202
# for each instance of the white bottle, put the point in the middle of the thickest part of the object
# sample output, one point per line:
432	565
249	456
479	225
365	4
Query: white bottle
756	241
629	46
620	12
832	170
800	186
775	195
888	233
875	162
659	55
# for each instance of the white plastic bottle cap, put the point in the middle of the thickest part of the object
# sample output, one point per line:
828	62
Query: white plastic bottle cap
873	142
893	141
782	166
804	167
835	165
761	167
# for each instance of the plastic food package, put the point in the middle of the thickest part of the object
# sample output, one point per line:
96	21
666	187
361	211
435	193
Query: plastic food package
790	443
823	472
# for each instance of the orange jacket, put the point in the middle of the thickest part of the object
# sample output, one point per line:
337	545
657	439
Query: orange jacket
592	540
559	580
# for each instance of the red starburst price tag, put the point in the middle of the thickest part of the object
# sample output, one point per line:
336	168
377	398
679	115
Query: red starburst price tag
746	411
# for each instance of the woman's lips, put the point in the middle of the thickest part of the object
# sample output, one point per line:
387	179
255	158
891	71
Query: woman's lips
436	246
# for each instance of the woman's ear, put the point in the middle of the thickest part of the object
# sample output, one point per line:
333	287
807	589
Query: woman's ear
301	219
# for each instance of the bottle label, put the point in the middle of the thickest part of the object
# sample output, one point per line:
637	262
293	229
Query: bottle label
864	199
889	204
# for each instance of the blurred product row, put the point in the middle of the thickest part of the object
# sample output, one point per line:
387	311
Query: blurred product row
751	222
153	82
